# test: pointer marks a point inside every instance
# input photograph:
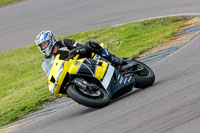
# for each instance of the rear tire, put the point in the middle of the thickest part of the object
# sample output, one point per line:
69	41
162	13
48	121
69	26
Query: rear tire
145	78
74	92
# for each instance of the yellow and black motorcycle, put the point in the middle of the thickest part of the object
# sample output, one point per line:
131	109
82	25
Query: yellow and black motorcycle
93	82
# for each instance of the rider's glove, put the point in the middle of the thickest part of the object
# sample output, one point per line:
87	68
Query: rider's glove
94	47
93	44
78	50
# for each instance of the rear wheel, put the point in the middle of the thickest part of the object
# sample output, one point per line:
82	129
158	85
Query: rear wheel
95	98
144	76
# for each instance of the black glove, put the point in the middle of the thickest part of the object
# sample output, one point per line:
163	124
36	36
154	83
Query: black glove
78	50
93	44
94	47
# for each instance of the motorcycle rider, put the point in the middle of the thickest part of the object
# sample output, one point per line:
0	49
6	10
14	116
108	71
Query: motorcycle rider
46	42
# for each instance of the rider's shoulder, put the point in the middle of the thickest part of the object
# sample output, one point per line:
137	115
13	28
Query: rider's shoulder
64	42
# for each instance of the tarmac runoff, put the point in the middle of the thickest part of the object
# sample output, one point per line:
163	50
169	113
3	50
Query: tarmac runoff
150	57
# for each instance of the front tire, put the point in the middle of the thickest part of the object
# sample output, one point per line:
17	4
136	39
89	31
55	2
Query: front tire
145	77
75	93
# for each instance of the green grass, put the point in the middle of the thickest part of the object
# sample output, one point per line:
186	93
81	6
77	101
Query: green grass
5	2
24	85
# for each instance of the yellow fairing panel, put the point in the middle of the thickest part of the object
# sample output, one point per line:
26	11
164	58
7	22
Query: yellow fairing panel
100	70
60	68
72	66
54	87
55	67
69	66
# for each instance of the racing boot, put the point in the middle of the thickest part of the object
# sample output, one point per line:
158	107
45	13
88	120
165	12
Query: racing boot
93	46
115	61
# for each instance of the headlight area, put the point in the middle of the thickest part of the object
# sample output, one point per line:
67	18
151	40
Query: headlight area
60	70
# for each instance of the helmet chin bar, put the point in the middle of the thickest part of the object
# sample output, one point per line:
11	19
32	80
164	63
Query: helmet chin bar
49	49
47	53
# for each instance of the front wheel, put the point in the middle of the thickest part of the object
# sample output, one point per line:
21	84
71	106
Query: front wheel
144	76
97	98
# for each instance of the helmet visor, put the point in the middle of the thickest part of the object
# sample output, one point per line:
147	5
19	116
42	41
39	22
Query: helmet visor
44	45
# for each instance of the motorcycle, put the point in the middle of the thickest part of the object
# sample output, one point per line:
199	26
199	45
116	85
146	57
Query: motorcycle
94	82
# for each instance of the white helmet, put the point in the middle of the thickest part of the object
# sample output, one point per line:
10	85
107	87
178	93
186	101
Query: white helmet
45	40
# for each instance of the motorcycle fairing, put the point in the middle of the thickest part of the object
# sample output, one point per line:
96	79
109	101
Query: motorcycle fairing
109	77
117	82
87	67
58	72
94	68
78	67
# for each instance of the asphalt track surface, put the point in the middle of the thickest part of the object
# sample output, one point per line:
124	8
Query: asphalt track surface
171	105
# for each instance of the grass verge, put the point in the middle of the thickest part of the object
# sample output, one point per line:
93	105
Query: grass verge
24	85
7	2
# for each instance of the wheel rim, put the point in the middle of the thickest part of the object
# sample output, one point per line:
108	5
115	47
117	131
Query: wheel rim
94	94
144	71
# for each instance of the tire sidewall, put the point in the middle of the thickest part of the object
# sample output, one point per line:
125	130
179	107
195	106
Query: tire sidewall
144	81
83	100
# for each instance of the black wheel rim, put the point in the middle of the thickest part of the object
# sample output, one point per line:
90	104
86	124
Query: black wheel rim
142	70
94	94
